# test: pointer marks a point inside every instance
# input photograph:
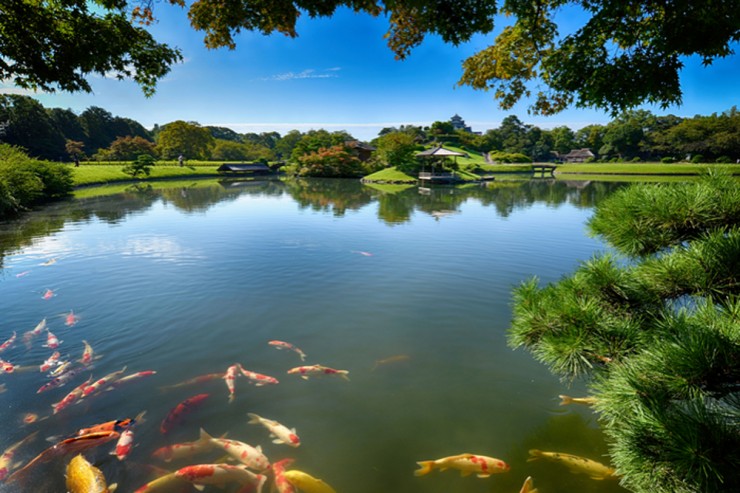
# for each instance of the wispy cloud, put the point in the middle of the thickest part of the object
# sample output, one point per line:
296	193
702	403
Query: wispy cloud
309	73
9	88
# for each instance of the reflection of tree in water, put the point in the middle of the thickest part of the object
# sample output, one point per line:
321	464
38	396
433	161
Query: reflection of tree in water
330	195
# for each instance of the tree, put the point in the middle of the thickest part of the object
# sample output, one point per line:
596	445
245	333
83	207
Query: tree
100	128
225	150
313	140
141	166
657	338
396	149
285	145
74	149
624	54
129	148
331	162
27	124
186	139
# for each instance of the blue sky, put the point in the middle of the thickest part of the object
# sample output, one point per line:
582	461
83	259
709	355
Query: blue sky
339	74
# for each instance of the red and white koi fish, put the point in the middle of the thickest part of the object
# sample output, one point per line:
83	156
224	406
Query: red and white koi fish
70	320
63	367
28	336
229	378
87	354
186	450
6	366
278	470
317	371
287	345
52	361
72	397
5	345
252	457
101	383
6	460
59	381
200	379
281	433
467	464
307	483
72	445
169	483
221	474
52	341
257	379
48	294
177	414
124	445
133	376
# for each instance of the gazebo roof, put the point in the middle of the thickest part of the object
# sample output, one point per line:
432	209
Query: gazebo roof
439	151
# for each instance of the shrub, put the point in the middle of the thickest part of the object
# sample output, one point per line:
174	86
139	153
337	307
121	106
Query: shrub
142	165
636	159
697	159
723	159
332	162
667	160
509	157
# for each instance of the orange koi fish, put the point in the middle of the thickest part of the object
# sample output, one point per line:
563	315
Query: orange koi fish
74	445
52	361
6	460
48	294
229	378
257	379
252	457
5	345
278	471
282	434
317	371
115	425
177	414
221	474
52	342
287	345
100	384
467	464
70	320
576	464
200	379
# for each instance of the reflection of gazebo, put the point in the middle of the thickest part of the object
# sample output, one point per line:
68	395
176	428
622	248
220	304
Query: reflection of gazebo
433	153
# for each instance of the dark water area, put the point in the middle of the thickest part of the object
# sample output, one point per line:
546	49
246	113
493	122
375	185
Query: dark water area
407	289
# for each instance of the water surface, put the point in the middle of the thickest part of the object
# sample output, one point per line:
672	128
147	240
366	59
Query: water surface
408	289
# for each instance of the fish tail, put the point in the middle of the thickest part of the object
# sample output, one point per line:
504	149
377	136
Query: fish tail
535	454
565	400
253	419
425	467
204	436
343	374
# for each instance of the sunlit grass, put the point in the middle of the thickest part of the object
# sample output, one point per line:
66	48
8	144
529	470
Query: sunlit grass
100	174
645	168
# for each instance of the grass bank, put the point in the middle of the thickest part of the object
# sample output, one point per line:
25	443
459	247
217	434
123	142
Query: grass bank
685	169
100	174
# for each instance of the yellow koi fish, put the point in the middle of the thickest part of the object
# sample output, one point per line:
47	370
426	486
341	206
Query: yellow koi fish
83	477
306	482
467	464
392	359
576	464
169	483
586	401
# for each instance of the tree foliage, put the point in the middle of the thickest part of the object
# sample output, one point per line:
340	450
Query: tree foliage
658	338
187	139
332	162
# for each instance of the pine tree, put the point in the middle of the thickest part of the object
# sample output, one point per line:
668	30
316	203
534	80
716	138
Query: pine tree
656	333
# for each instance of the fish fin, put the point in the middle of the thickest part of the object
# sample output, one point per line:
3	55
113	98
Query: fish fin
534	455
565	400
112	487
254	419
204	436
258	448
199	487
425	467
483	475
343	374
277	440
54	438
305	377
465	473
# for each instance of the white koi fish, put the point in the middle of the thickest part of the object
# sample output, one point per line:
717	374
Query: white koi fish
52	341
252	457
281	433
124	445
5	345
59	381
287	345
317	371
229	378
6	366
257	379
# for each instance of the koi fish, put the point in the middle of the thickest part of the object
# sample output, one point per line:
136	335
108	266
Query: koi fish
257	379
306	482
133	376
48	294
101	383
316	371
281	433
252	457
221	474
576	464
72	445
118	425
528	486
6	460
23	274
52	361
83	477
229	378
87	354
278	471
287	345
176	415
72	397
30	418
52	341
185	450
169	483
467	464
392	359
62	367
28	336
59	381
586	401
70	320
5	345
6	366
49	262
124	445
200	379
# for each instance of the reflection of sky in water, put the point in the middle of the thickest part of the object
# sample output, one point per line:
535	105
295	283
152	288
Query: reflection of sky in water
158	247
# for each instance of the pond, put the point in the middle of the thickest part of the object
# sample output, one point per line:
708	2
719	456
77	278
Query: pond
407	289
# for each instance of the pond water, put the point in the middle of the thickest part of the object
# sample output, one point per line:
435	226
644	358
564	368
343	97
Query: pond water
407	289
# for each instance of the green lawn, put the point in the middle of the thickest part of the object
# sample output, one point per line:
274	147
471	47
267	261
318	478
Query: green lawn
93	174
390	175
644	168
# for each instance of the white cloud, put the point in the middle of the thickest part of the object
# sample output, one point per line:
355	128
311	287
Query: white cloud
10	89
308	73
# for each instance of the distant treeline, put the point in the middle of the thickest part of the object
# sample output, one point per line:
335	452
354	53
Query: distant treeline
95	134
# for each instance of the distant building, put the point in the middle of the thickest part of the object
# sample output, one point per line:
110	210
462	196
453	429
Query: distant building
578	156
459	124
360	149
